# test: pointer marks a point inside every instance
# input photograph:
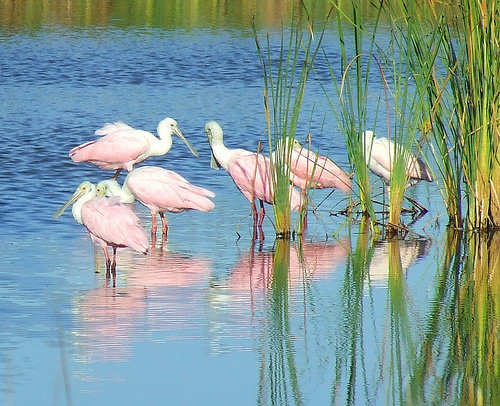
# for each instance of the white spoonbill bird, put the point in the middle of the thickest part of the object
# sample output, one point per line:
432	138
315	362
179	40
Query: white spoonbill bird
121	146
109	223
380	155
249	171
309	170
160	190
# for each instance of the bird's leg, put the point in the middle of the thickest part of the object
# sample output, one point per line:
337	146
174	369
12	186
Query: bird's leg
261	220
113	264
108	261
261	235
412	183
262	213
117	173
421	208
255	216
303	210
153	228
113	267
164	226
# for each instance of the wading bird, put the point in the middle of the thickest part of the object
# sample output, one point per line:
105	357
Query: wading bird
160	190
380	157
109	223
250	172
309	170
121	146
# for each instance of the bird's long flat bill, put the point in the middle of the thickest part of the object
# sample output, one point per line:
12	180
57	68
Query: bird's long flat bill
178	132
73	199
213	162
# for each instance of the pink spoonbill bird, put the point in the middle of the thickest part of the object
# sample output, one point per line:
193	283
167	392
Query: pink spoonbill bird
309	170
160	190
380	155
121	146
109	223
250	172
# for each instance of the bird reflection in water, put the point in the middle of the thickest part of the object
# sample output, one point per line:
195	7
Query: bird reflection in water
163	293
239	302
410	251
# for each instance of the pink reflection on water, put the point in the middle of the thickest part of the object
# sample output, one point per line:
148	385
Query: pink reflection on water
313	261
163	293
240	303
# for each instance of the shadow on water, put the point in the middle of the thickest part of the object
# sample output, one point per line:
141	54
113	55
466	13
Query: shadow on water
386	345
446	353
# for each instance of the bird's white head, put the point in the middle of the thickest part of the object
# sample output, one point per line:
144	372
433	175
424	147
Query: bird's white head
215	137
169	126
83	193
107	187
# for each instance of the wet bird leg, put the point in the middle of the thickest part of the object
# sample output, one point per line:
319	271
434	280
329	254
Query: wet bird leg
164	226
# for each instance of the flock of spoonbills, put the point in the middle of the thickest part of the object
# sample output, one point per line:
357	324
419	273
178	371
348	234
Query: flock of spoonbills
105	211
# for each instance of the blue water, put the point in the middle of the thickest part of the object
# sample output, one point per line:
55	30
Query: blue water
199	320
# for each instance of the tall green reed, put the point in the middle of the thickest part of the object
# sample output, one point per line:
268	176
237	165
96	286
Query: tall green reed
352	92
476	93
408	96
285	76
401	100
464	101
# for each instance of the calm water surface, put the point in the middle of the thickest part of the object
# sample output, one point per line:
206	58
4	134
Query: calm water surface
207	318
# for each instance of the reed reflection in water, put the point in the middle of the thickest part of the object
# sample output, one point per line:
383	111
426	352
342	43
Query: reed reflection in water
240	301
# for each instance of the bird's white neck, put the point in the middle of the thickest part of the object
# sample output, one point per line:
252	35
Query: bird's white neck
221	153
160	146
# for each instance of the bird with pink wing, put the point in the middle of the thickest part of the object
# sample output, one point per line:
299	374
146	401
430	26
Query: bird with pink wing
109	223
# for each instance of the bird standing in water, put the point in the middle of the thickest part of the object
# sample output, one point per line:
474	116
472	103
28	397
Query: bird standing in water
121	146
160	190
109	223
250	172
380	155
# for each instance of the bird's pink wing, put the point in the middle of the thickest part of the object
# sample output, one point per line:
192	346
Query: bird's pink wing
315	171
114	223
250	173
164	190
179	197
116	150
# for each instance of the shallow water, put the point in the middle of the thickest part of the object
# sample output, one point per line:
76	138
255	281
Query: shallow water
207	316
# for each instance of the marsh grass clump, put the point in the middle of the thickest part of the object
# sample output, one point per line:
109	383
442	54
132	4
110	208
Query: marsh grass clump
285	76
459	54
440	76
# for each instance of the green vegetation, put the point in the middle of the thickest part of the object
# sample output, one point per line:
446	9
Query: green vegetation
284	87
